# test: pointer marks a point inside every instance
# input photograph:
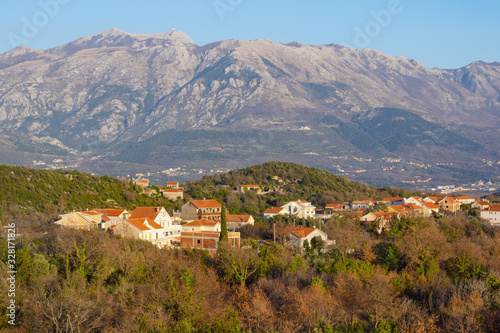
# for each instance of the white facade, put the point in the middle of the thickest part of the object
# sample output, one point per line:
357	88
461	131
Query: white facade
492	214
300	208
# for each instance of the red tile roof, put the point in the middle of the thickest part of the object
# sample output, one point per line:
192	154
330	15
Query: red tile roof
251	185
238	218
206	203
431	205
172	183
298	231
334	206
142	181
464	198
112	212
145	212
91	212
492	208
384	214
200	223
172	190
141	224
393	199
274	210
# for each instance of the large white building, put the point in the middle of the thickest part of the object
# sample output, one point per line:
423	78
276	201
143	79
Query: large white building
492	214
151	223
300	208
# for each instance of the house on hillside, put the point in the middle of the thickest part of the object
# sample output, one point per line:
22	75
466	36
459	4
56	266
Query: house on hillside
205	234
172	194
465	200
143	183
294	237
449	204
481	204
382	219
407	210
202	225
173	185
392	201
364	204
300	208
432	199
492	214
414	200
171	231
116	216
273	211
142	228
330	208
85	220
430	207
201	209
235	222
245	188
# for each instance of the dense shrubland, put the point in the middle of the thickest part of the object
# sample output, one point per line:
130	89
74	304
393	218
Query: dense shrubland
422	275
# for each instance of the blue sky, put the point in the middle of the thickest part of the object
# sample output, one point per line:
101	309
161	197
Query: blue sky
444	34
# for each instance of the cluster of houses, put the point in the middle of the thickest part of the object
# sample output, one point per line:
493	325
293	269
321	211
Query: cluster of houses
198	224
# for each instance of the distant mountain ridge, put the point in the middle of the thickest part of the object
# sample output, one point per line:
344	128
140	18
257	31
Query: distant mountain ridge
101	91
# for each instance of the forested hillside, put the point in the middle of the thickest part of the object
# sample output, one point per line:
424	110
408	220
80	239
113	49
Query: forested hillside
421	276
33	196
282	182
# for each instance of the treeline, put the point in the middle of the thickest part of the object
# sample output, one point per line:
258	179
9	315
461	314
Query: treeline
284	181
422	275
31	197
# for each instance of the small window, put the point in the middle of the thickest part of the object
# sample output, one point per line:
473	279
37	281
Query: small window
198	241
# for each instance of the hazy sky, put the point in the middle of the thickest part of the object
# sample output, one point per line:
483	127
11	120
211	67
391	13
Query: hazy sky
445	34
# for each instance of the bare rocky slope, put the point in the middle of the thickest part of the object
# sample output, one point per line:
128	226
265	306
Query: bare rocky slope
104	90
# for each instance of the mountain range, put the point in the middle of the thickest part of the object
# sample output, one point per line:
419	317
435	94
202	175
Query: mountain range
120	103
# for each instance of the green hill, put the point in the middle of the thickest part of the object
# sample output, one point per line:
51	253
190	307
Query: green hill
283	181
28	193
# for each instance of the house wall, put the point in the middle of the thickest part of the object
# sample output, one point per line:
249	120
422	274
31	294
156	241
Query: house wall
492	216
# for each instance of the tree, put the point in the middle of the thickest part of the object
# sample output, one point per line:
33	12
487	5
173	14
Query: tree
224	237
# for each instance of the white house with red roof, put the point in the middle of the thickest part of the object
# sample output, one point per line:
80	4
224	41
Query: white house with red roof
115	216
300	208
85	220
294	237
172	193
430	207
250	187
170	231
235	222
414	200
382	219
465	200
143	183
142	228
174	185
201	225
481	204
492	214
273	211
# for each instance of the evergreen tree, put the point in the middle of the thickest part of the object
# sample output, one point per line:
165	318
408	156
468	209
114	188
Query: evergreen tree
223	225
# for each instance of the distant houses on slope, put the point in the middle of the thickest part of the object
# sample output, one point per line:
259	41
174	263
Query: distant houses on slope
197	225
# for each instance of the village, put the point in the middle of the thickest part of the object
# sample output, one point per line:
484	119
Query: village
198	223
